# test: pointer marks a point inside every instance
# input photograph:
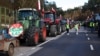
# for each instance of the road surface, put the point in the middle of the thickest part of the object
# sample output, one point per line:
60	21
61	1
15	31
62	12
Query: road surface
83	44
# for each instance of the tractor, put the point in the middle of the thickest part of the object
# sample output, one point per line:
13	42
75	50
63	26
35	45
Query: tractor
52	23
28	27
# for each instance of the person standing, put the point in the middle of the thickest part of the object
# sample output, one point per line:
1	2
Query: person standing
67	28
98	23
92	25
76	28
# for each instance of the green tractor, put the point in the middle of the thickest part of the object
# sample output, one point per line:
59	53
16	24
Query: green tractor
28	28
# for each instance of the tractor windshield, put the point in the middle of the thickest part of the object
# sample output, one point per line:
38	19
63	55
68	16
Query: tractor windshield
50	16
25	15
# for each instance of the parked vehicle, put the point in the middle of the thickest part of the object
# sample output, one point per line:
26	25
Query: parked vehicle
7	45
28	28
52	23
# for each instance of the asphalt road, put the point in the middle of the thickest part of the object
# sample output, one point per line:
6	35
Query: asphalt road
83	44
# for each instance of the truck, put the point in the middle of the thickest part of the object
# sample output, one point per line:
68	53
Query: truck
28	27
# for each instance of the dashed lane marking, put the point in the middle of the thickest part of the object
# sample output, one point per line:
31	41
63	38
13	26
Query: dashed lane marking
21	54
91	47
88	38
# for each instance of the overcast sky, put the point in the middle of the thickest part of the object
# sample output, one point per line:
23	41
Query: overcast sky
65	4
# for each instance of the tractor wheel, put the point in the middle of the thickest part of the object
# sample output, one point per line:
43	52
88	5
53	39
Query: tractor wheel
63	28
53	30
32	36
43	34
59	29
10	51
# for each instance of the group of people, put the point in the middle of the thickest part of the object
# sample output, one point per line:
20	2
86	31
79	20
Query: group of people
93	23
76	27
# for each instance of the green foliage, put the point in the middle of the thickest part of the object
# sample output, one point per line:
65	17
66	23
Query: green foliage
92	5
81	13
49	5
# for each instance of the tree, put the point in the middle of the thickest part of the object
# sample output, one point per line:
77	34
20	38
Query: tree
92	5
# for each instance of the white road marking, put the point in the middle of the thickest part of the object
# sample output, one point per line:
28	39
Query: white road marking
33	48
21	54
29	53
54	38
63	33
91	47
44	42
88	38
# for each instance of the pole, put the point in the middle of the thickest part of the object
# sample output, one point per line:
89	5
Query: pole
39	5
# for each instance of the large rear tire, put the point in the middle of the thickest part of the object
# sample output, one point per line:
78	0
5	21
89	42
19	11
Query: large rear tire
59	29
63	28
32	36
53	30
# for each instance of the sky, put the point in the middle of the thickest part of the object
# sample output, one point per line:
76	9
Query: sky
66	4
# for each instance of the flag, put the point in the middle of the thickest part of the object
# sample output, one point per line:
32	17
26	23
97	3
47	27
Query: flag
39	5
42	12
53	10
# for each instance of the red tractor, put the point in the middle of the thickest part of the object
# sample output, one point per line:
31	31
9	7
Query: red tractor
52	23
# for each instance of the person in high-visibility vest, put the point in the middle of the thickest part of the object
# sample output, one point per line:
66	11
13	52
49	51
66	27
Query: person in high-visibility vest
67	28
76	28
92	26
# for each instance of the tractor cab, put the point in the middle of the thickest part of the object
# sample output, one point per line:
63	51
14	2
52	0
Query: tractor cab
27	17
27	14
49	17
